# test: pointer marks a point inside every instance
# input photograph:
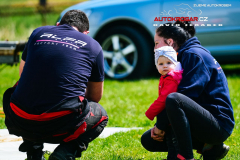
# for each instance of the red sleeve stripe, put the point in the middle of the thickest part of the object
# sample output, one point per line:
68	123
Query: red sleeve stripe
41	117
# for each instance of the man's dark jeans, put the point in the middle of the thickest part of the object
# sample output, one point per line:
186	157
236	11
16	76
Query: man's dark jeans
192	125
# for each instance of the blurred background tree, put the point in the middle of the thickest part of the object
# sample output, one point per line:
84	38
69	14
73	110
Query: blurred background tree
18	18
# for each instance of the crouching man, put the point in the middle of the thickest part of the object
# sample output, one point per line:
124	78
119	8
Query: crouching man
60	85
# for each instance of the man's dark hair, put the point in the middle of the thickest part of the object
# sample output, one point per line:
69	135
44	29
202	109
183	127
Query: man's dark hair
77	19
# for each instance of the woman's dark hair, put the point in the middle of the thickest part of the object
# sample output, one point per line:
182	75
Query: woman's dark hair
180	31
77	19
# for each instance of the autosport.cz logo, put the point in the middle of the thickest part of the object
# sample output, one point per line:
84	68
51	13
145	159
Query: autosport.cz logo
187	13
194	19
181	19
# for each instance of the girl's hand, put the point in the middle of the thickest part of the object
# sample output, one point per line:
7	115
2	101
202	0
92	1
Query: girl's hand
157	134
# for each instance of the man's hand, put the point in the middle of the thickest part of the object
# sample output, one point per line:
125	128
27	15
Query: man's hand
157	134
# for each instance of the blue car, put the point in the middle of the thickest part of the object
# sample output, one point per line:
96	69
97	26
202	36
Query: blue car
125	30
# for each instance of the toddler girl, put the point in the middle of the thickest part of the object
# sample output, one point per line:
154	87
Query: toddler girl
171	71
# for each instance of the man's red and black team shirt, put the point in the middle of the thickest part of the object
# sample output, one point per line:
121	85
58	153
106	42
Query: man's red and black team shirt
59	63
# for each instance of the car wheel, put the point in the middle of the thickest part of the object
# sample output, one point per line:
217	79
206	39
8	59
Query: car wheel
126	53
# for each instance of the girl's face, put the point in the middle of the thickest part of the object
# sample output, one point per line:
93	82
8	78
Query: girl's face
164	65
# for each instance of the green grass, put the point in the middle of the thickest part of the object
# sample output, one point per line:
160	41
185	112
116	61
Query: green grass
128	98
9	76
2	124
7	2
120	146
127	146
125	103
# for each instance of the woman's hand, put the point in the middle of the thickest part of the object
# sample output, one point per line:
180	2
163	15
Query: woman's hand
157	134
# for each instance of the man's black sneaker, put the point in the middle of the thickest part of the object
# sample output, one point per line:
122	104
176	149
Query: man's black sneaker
36	156
63	152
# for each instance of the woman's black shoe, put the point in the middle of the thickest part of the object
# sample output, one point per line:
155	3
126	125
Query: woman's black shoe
217	152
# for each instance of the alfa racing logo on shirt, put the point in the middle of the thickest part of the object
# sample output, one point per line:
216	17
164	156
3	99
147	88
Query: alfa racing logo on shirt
69	42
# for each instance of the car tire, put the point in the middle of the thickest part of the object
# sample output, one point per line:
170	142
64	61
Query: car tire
127	53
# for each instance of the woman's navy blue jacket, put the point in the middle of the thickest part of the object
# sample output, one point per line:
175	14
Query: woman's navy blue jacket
205	82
